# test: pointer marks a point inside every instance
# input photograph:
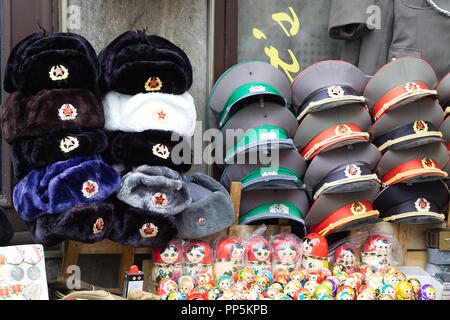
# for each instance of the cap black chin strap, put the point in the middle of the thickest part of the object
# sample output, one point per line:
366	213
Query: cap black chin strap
38	23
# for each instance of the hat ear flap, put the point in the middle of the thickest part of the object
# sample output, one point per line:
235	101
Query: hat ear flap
13	76
6	228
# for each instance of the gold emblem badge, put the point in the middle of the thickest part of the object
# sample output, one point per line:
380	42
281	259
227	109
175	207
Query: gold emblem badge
68	144
161	151
427	163
98	226
67	112
420	127
58	72
90	189
153	84
335	91
159	200
161	116
342	129
422	205
357	208
148	230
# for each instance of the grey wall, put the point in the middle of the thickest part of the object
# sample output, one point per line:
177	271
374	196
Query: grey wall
184	22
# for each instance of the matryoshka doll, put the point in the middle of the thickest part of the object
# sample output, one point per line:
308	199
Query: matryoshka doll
404	291
315	252
346	256
259	254
427	292
204	280
197	257
230	254
165	287
376	252
286	252
416	285
166	263
225	283
185	284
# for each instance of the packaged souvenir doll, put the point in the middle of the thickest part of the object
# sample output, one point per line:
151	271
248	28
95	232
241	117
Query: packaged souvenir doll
259	254
230	254
197	258
315	252
286	252
377	253
346	256
166	263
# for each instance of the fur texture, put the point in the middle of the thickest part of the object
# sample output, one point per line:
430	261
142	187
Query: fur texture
30	61
32	153
140	187
150	111
136	149
133	57
31	116
59	186
75	224
6	228
211	202
128	222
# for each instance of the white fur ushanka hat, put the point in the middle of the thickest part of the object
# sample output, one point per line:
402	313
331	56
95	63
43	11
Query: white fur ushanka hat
145	111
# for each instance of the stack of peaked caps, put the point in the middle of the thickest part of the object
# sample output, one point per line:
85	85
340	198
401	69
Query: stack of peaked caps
443	91
410	133
250	104
150	119
333	137
53	120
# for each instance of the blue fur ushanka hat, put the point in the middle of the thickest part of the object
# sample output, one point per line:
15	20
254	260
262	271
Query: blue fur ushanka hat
63	185
60	60
61	143
138	63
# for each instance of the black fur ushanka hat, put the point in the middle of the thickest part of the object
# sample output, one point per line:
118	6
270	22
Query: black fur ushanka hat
61	143
42	61
138	63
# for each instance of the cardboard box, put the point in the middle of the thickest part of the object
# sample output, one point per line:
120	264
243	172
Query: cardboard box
438	239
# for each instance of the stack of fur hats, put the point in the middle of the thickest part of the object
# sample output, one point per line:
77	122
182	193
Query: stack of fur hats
53	120
150	119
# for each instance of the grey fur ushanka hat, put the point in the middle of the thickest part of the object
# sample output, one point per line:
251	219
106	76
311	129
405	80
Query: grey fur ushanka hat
156	189
211	210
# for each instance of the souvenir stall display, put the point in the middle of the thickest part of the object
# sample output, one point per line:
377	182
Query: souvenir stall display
101	147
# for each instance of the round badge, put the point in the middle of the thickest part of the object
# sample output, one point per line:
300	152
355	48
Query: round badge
335	91
422	205
17	273
58	72
148	230
153	84
68	144
67	112
161	151
98	226
159	200
33	273
90	189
